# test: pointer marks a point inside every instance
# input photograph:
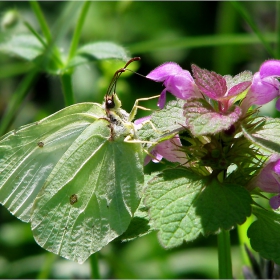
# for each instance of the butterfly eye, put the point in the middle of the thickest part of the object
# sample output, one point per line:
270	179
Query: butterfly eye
109	103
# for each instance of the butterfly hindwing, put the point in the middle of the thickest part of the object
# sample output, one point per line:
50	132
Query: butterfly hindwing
106	177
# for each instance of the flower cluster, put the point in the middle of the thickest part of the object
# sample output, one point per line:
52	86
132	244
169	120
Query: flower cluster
221	94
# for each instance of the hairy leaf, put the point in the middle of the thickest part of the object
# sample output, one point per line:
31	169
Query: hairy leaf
202	119
98	51
264	132
264	234
25	46
164	123
170	197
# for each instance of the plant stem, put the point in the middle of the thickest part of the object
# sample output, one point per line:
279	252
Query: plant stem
244	240
77	32
224	255
247	17
277	45
41	19
16	100
45	272
66	81
94	266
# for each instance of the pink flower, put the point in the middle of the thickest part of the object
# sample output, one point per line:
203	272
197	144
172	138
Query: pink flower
169	149
268	179
177	81
265	86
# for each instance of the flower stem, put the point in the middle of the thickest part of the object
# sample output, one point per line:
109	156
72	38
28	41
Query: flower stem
77	32
16	100
224	256
94	266
277	45
41	19
66	81
244	240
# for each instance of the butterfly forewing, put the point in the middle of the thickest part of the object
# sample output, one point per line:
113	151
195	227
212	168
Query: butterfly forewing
28	155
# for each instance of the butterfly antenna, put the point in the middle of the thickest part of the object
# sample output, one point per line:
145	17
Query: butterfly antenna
113	84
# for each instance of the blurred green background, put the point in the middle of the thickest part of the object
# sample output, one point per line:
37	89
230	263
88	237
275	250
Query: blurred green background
218	36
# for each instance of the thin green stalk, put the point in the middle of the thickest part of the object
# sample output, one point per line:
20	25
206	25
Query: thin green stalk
224	255
246	16
33	31
45	272
93	260
277	45
244	240
66	81
41	19
78	29
16	100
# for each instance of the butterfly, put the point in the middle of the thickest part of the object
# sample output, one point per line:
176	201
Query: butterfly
75	175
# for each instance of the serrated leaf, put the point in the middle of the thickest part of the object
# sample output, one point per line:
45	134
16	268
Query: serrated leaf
210	83
264	132
182	205
170	197
99	51
202	119
25	46
264	234
222	206
74	177
164	123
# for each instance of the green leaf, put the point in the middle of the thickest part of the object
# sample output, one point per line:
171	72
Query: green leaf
85	179
264	132
170	197
222	206
264	234
164	123
140	224
202	119
183	204
98	51
25	46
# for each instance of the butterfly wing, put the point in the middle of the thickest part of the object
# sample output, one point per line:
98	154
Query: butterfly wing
90	196
29	154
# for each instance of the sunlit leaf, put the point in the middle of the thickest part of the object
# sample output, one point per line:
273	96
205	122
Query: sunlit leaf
25	46
99	51
264	132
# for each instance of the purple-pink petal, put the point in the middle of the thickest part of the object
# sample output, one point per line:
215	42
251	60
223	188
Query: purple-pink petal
162	72
181	85
275	202
263	90
170	150
268	179
239	88
270	68
277	105
162	99
138	123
